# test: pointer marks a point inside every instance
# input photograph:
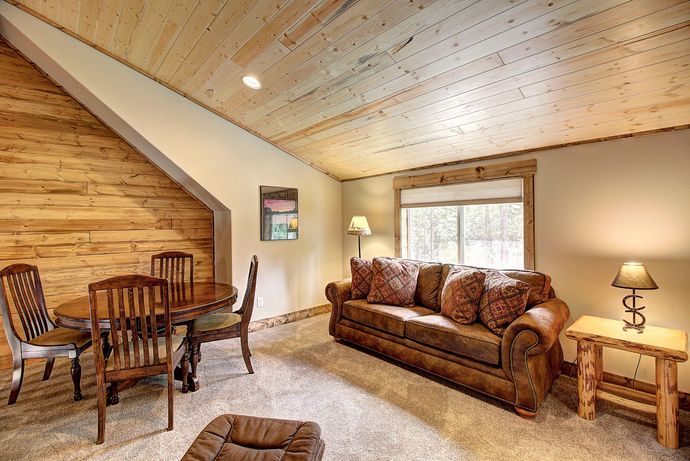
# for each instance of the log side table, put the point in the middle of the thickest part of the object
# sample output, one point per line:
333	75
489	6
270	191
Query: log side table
668	347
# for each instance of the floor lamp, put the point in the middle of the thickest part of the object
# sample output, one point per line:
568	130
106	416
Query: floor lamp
359	226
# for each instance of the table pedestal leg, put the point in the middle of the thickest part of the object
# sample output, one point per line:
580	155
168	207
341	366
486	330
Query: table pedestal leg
192	382
587	371
105	344
667	403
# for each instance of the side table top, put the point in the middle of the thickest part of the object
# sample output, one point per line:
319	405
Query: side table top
659	342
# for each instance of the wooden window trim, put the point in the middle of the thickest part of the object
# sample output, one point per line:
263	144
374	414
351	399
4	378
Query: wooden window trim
524	169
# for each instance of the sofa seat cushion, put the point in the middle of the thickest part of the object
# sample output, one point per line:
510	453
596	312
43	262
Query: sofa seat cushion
473	341
382	316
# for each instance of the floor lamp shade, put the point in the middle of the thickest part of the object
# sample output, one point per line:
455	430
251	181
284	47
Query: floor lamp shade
359	226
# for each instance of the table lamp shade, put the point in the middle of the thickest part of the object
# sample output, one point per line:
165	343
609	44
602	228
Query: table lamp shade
635	276
359	226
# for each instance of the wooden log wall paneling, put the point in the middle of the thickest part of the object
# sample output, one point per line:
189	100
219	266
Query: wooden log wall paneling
363	87
76	200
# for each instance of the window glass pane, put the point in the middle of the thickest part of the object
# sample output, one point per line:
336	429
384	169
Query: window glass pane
488	235
444	227
432	234
493	236
419	244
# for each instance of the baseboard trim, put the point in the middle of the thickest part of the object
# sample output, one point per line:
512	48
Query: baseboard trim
282	319
570	370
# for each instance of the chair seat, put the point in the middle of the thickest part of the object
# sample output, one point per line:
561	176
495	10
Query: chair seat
234	437
216	321
176	343
62	337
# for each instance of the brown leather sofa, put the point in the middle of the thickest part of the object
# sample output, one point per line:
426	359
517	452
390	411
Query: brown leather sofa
517	368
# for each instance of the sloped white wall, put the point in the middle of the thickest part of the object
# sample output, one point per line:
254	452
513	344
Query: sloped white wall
218	161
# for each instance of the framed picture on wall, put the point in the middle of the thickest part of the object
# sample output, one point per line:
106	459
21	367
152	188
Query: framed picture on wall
279	218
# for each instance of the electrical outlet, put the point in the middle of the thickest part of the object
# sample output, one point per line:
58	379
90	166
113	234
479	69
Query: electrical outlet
260	301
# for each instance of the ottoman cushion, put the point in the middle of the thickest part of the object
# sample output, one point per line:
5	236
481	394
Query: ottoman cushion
237	437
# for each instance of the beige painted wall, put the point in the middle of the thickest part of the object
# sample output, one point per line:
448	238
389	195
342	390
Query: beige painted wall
597	205
224	160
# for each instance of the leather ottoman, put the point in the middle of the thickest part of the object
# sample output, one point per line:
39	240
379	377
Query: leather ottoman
250	438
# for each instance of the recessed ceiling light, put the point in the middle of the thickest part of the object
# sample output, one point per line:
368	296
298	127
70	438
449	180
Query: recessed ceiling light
251	82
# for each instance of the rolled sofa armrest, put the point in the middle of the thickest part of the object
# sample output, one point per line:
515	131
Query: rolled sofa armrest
546	320
531	354
337	293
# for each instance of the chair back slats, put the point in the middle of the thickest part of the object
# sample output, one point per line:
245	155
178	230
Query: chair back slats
124	327
176	267
144	327
18	281
29	287
23	313
154	323
114	334
26	296
23	301
248	301
133	315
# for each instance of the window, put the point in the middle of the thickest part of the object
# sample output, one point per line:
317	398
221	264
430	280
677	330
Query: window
457	217
489	235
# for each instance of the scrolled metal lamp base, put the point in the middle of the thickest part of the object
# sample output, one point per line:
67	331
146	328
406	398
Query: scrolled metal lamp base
634	325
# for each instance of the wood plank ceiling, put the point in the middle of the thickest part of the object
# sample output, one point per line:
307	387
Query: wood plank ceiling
359	88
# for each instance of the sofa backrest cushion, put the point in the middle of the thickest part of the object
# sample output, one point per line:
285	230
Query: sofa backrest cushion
394	282
429	286
540	283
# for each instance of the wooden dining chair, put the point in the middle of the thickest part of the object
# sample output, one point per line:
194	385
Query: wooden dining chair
174	266
225	325
22	300
136	311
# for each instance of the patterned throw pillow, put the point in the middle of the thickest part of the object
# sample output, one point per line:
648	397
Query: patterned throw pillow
362	273
394	282
503	301
461	295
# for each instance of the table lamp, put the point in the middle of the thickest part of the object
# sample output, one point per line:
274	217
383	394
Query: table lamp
359	226
634	276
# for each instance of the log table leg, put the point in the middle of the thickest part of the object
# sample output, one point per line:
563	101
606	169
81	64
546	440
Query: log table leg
587	370
599	363
667	403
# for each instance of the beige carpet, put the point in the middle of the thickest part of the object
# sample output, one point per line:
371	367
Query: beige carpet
368	409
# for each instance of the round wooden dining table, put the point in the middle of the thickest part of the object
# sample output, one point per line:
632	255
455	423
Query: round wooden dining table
188	301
